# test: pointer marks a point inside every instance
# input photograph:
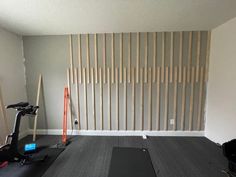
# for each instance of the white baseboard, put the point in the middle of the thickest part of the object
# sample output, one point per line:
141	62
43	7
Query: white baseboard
118	133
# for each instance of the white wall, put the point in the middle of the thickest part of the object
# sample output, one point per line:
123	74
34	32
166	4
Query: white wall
221	99
12	77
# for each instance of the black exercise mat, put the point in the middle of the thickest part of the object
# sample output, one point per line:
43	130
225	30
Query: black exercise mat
36	169
131	162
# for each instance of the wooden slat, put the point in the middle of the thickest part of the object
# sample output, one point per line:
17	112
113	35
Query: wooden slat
200	100
191	100
207	55
71	59
163	57
88	58
69	100
189	56
183	92
154	38
93	99
180	55
145	56
137	58
198	54
112	58
85	99
129	58
149	99
171	55
125	98
3	112
101	98
79	59
104	58
133	99
141	100
175	97
109	98
96	58
117	99
121	57
166	100
77	96
158	99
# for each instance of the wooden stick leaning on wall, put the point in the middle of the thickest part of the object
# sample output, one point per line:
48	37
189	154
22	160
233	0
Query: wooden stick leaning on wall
171	55
198	54
133	99
88	58
189	56
96	58
112	58
145	57
207	55
117	99
158	100
69	101
3	112
101	98
154	38
137	58
71	59
141	99
200	100
183	92
104	58
150	99
85	99
180	55
121	57
77	96
163	57
37	104
175	97
109	98
191	101
93	99
79	59
166	100
129	58
125	98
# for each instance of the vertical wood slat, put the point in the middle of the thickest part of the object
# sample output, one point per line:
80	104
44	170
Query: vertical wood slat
163	57
129	58
158	99
69	100
166	100
191	100
112	58
137	58
189	56
171	55
183	92
71	59
207	55
93	99
200	100
3	112
96	58
121	57
141	99
104	58
88	58
77	96
109	98
79	59
133	99
150	99
154	38
198	54
85	99
125	98
145	57
175	97
117	99
180	55
101	98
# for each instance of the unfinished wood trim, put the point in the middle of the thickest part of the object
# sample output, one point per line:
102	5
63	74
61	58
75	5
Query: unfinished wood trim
85	99
71	59
88	58
145	57
198	54
207	55
93	99
69	100
180	55
149	99
112	58
163	57
175	97
133	99
158	99
104	58
171	55
191	100
109	98
200	100
96	58
121	57
117	100
189	56
3	112
101	98
79	59
129	58
137	58
183	92
166	100
77	96
125	98
141	99
154	38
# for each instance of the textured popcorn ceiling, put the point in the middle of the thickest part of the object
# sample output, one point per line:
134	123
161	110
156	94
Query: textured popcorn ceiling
45	17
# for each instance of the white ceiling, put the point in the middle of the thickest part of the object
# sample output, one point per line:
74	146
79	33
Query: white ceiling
46	17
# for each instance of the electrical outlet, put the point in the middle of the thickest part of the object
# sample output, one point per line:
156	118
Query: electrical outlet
172	121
